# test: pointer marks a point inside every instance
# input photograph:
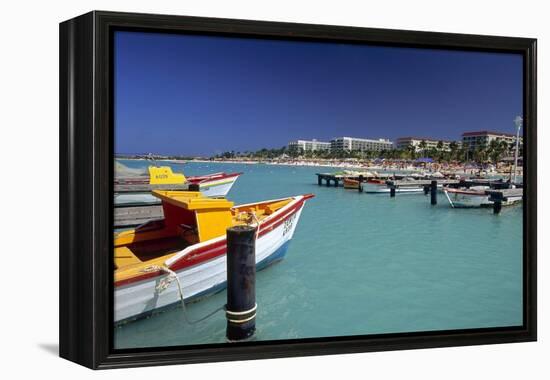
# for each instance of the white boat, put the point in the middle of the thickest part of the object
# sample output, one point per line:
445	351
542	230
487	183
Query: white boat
380	187
211	185
189	247
475	196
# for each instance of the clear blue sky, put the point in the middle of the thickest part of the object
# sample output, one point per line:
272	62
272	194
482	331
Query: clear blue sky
200	95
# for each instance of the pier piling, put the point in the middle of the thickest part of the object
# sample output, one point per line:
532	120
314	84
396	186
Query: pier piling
392	191
433	193
240	310
497	202
426	189
497	206
319	180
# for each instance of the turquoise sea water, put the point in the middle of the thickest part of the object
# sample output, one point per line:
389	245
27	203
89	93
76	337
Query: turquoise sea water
361	264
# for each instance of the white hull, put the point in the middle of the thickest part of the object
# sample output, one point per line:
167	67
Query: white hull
213	189
217	189
383	189
141	298
469	199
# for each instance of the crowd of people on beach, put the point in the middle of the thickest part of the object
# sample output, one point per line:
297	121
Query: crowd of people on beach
423	165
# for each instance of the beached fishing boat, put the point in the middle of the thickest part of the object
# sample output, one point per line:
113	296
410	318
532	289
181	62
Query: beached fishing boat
475	196
211	185
188	246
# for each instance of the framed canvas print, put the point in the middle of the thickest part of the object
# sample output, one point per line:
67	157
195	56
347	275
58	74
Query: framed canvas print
238	189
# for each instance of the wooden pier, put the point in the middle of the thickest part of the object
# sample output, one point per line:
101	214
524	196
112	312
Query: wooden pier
429	186
131	215
493	183
420	182
339	178
503	195
146	188
134	215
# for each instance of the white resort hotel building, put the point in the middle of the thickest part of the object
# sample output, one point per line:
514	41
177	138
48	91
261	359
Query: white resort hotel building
404	143
471	140
342	144
308	145
357	144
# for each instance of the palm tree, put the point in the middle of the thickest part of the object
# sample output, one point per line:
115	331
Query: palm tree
480	153
422	147
496	150
453	147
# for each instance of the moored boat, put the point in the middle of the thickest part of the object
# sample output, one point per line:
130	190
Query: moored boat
379	186
350	183
215	185
211	185
474	196
189	246
464	198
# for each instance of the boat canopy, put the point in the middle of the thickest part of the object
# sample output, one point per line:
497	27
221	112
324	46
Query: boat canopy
191	211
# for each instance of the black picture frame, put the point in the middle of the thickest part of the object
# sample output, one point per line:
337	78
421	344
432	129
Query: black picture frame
86	188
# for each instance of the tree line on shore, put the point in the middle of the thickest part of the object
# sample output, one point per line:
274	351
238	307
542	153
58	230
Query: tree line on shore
493	152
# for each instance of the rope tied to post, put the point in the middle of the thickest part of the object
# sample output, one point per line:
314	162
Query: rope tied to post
165	283
250	219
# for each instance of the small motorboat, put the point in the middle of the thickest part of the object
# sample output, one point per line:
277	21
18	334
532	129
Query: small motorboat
350	183
475	196
189	245
137	188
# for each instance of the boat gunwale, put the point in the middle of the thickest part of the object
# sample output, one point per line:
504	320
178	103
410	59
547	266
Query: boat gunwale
213	177
178	262
476	193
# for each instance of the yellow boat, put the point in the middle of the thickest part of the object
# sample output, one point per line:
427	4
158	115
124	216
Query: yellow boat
134	180
189	246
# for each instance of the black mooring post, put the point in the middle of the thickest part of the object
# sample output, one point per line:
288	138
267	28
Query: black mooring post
336	183
392	191
426	189
360	187
497	206
497	203
240	310
319	180
433	193
194	187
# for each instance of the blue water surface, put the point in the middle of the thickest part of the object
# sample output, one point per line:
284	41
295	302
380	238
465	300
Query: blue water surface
361	264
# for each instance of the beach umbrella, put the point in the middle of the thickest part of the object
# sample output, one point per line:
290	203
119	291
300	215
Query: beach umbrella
425	160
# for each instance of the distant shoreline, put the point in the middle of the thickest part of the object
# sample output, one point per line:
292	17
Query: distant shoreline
430	168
